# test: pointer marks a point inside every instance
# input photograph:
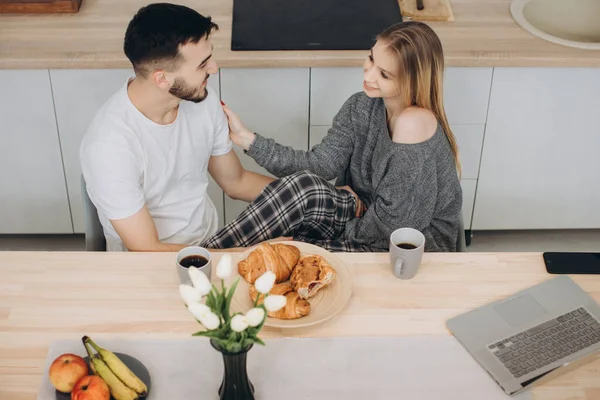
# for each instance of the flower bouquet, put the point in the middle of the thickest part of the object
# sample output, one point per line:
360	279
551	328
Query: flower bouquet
231	334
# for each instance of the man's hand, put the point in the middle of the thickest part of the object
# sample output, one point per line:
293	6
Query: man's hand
360	206
139	233
238	133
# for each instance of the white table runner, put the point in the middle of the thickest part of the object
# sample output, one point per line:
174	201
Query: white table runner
404	368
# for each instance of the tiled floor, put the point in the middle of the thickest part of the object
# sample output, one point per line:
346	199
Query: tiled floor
500	241
42	242
536	241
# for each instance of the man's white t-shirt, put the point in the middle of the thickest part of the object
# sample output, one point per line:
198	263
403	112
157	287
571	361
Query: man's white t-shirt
128	160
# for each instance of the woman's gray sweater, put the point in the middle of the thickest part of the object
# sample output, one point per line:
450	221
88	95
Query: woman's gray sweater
402	185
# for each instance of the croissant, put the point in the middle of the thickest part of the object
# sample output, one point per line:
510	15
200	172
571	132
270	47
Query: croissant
312	273
295	307
278	258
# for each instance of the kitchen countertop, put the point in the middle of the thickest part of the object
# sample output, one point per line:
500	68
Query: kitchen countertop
482	35
47	296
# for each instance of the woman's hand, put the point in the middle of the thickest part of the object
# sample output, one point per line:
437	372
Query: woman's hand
238	133
360	206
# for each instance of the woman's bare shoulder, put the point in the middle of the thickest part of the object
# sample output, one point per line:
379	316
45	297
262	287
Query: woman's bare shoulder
414	125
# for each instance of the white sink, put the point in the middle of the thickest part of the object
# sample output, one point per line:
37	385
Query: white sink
574	23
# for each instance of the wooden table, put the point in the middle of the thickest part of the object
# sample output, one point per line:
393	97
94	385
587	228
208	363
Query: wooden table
48	296
483	35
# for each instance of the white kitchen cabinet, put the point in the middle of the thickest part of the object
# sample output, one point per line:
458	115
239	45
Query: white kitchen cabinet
466	93
33	195
78	95
329	90
272	102
470	141
540	161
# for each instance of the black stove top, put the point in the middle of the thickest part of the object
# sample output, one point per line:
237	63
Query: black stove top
310	24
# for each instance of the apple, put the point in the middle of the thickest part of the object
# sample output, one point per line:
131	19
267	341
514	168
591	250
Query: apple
90	387
66	370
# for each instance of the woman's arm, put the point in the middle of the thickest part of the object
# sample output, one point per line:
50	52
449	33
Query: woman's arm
329	159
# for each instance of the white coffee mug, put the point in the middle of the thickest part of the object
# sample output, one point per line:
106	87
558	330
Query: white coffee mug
406	252
190	251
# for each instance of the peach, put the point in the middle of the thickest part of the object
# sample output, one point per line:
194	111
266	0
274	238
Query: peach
66	370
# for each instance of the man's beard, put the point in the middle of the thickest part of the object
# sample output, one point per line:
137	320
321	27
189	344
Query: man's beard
182	91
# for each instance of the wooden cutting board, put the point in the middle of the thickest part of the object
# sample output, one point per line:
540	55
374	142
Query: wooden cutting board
39	6
434	10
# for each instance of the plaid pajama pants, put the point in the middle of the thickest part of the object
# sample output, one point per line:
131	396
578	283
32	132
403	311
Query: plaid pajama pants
302	205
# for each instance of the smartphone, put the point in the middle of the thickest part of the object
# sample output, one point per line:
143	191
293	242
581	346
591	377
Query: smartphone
572	262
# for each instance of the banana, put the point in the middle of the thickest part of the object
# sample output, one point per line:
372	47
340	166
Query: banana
119	369
118	389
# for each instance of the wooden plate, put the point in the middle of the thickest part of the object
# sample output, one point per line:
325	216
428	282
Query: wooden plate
324	305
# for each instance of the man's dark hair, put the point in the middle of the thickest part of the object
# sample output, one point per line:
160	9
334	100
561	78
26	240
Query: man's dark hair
157	30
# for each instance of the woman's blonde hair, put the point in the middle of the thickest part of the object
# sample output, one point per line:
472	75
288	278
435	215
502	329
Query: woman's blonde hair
421	72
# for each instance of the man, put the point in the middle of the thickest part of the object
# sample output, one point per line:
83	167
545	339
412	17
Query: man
146	154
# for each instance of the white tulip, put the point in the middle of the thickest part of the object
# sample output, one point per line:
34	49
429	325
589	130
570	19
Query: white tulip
224	267
199	310
275	302
238	323
255	316
210	320
265	282
200	280
189	294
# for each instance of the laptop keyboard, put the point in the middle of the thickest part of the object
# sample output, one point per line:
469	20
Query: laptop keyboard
543	344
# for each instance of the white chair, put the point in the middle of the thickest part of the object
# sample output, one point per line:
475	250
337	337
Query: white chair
94	234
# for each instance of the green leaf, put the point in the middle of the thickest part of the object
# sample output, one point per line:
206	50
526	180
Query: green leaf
230	296
259	341
247	342
256	300
217	300
210	334
219	306
234	347
210	300
222	343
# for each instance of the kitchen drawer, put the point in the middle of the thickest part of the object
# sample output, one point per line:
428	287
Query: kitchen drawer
33	193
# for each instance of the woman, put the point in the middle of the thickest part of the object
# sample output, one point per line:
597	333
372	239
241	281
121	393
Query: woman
390	144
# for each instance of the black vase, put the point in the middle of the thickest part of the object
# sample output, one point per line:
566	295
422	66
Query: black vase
235	384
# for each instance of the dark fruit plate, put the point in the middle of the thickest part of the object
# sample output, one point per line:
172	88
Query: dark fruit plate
133	363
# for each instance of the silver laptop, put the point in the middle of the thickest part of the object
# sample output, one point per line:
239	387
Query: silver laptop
533	335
